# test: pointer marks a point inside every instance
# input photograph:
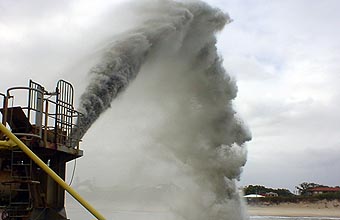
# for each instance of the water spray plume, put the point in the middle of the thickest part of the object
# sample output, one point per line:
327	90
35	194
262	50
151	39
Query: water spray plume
202	131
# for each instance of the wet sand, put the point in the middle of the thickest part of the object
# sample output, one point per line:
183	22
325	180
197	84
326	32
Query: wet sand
322	208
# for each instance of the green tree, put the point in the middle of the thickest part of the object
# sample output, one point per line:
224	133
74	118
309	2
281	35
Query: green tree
255	189
262	190
283	192
303	187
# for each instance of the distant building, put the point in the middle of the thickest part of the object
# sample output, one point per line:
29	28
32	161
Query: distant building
271	194
253	196
253	199
321	190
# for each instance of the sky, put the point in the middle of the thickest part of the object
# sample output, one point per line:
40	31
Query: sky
283	54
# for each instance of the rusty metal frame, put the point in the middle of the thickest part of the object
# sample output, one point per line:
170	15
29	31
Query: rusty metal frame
64	115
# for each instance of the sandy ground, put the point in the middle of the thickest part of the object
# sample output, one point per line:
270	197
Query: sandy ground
322	208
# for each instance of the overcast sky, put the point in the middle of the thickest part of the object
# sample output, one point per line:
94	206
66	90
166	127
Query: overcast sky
285	56
283	53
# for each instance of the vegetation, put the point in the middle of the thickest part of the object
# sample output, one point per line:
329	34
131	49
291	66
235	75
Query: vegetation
284	195
297	199
328	196
303	187
262	190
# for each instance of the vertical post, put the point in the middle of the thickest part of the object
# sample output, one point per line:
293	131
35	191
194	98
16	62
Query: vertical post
39	108
4	119
56	118
46	123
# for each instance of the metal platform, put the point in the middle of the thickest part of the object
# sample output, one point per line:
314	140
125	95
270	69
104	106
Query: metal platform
44	122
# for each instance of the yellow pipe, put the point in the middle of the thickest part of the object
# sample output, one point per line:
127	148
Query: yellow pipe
7	144
50	172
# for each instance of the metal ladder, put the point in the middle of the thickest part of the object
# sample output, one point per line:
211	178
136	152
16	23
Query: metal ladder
20	203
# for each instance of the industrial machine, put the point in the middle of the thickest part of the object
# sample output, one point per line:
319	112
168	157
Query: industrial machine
43	121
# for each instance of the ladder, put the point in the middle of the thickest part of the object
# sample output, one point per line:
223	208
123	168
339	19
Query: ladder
20	202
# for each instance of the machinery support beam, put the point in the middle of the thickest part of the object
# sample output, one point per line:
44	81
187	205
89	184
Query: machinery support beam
50	172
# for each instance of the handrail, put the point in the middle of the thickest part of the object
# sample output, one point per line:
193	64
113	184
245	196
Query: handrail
29	108
23	88
3	102
65	118
69	115
50	172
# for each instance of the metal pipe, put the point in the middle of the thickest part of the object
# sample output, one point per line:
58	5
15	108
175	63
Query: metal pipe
51	173
7	144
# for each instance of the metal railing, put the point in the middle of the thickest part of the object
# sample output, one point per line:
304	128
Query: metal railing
2	97
51	116
61	119
2	120
32	112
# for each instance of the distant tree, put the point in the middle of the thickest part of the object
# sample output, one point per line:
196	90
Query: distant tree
262	190
303	187
283	192
254	189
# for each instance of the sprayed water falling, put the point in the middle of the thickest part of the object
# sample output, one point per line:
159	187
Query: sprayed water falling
200	128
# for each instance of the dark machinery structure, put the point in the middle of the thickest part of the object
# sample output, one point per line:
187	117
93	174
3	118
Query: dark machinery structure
44	121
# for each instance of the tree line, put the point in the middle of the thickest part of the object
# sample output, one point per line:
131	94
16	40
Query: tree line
262	190
284	195
305	186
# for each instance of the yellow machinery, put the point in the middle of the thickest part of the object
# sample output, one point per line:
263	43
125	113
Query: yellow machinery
33	155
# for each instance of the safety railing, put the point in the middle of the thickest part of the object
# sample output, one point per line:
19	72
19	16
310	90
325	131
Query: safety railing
62	119
2	101
50	117
33	112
